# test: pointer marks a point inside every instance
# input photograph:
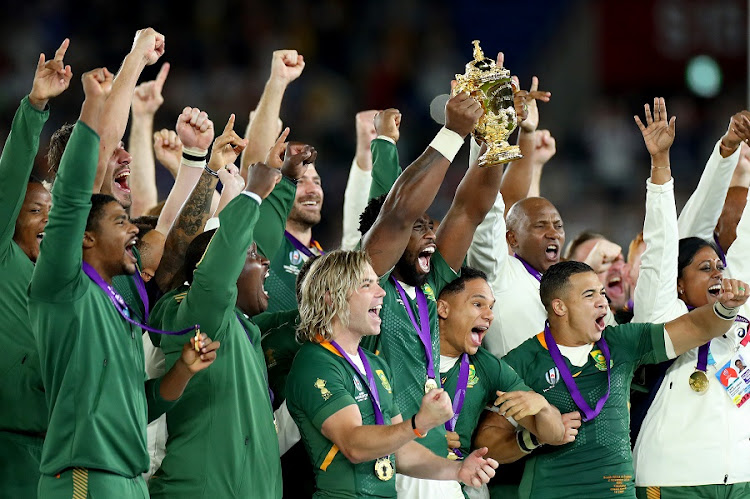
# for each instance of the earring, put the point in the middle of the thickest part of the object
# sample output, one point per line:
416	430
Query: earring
681	291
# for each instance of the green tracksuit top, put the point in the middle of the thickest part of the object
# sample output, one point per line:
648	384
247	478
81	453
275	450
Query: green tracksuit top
222	439
91	358
22	392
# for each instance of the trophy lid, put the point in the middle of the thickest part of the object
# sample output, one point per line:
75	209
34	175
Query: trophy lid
480	62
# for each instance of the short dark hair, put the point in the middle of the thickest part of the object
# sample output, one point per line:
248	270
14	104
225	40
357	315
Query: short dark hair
301	276
98	202
459	284
557	278
586	235
195	252
145	224
689	246
370	213
57	145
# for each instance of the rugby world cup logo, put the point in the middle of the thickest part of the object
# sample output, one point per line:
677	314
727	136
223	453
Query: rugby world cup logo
552	376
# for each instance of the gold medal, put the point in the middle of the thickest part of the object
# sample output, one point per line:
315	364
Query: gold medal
198	343
699	381
430	384
276	424
452	456
384	468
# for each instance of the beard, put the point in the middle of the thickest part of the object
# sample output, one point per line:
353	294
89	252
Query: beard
303	217
408	272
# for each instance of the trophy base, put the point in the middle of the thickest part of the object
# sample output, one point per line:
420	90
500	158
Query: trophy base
499	155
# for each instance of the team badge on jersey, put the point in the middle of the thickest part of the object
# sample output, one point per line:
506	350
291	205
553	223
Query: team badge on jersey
295	257
552	377
428	292
601	363
357	384
320	384
383	380
473	378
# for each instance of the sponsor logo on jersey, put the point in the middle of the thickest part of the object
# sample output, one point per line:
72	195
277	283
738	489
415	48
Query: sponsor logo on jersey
428	292
320	384
601	362
473	378
383	379
291	269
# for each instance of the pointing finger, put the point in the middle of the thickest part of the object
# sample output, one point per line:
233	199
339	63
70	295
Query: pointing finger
60	53
161	77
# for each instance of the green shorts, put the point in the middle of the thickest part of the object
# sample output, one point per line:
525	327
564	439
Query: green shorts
82	483
732	491
19	464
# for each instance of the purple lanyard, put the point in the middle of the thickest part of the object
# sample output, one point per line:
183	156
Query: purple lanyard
722	256
531	270
265	374
703	350
122	307
301	247
423	326
141	286
370	381
575	393
458	397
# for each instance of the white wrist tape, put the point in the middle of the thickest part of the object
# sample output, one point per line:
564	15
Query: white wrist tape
722	312
447	142
194	157
527	442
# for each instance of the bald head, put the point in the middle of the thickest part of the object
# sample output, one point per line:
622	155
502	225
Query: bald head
726	227
535	232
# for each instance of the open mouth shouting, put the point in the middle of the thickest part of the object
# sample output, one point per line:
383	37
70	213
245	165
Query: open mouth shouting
39	237
263	283
714	290
374	313
477	335
120	180
129	250
424	258
600	324
552	252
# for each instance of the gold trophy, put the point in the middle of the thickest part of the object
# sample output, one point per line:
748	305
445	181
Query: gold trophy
493	88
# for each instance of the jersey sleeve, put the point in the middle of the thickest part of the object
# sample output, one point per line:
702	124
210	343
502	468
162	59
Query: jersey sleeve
156	404
385	167
507	379
213	292
358	183
58	269
16	163
641	343
274	211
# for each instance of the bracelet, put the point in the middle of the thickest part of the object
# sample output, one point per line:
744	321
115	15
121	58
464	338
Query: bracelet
414	427
210	171
724	313
527	441
657	167
194	157
447	142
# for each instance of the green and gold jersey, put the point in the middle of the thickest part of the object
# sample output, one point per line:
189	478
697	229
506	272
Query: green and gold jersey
599	462
399	344
487	374
320	384
223	421
22	392
279	347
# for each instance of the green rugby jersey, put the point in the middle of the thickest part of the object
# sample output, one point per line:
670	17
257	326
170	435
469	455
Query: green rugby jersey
385	167
282	276
22	392
599	462
222	439
399	344
92	361
487	375
279	347
320	384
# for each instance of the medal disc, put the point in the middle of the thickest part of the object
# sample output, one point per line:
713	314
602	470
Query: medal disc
430	384
452	456
699	382
384	468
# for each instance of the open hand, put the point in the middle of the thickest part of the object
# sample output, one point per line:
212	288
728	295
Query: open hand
476	470
520	404
658	134
51	78
738	130
530	121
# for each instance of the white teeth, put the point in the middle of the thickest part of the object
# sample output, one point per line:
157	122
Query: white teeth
715	287
41	235
122	175
552	247
614	281
267	274
429	249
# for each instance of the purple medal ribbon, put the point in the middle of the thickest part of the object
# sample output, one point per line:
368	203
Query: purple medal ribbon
370	381
423	326
141	286
122	307
301	247
531	270
722	256
575	393
458	397
703	350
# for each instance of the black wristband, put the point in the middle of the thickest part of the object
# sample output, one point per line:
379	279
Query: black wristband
210	171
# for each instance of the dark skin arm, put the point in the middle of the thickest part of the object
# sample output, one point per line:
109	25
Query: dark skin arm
415	190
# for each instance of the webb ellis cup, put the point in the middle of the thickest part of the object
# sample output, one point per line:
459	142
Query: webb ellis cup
493	88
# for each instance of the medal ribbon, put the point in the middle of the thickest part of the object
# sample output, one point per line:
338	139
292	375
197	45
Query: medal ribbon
575	393
458	397
301	247
370	381
531	270
423	326
141	286
122	307
722	256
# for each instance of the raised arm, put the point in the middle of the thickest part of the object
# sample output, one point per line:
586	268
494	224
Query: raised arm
385	163
286	66
359	181
147	99
416	188
737	260
214	283
17	160
655	298
148	47
60	266
700	326
698	217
